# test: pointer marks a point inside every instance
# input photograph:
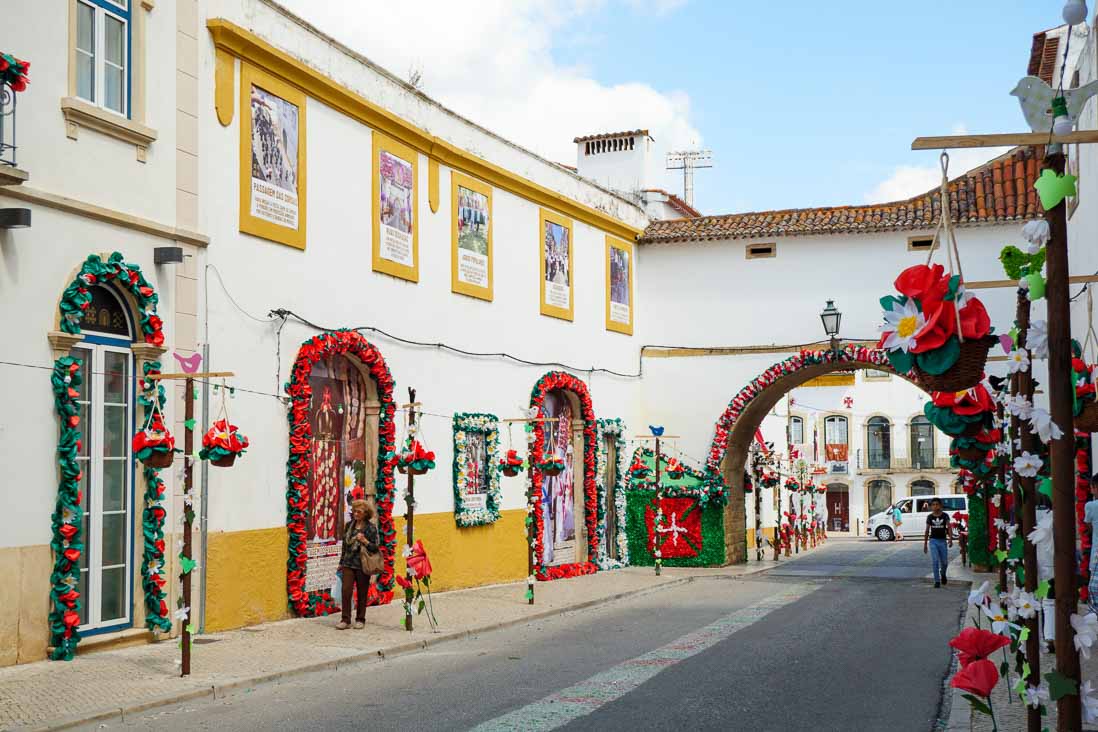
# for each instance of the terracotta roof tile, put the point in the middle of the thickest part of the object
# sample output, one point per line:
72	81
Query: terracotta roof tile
676	203
999	191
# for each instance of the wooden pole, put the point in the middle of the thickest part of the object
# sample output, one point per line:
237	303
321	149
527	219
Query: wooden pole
1062	450
659	511
531	528
756	476
188	515
1025	511
410	501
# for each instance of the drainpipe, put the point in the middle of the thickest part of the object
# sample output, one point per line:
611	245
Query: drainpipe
203	523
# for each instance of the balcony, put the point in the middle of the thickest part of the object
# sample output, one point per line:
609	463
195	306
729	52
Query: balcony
10	174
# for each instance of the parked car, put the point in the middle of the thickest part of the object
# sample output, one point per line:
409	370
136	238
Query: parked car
914	509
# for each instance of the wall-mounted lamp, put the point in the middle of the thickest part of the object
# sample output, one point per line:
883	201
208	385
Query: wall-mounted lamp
15	218
168	255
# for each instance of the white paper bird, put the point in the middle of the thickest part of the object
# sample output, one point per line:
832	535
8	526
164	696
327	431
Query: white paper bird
1036	97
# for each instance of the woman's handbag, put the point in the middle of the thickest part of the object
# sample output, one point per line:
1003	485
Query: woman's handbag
372	562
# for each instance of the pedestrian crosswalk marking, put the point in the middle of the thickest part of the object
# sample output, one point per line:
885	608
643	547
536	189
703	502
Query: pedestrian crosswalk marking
557	710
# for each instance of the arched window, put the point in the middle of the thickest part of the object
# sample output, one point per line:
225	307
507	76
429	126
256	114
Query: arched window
922	443
879	495
879	436
796	431
923	487
106	399
836	439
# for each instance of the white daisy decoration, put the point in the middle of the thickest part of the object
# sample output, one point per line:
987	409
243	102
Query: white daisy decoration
1036	233
1041	422
1037	339
1090	703
904	321
1027	465
977	596
1042	533
1086	632
1018	361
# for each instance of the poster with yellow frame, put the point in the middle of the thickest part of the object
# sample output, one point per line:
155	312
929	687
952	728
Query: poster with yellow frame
395	211
471	237
619	285
555	250
272	158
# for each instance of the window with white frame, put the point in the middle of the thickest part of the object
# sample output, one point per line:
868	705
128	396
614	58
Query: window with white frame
103	45
796	431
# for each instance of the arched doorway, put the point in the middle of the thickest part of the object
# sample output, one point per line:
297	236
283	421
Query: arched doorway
736	427
342	440
565	506
838	507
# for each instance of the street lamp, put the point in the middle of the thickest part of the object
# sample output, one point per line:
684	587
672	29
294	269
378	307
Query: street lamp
831	318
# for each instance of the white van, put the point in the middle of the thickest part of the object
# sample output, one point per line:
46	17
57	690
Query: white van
914	509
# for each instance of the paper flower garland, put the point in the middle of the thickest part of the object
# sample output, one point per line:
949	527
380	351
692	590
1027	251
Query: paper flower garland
298	467
76	298
152	399
921	325
611	430
549	382
68	514
485	425
13	72
222	444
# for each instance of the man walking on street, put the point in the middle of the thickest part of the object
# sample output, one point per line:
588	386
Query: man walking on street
937	534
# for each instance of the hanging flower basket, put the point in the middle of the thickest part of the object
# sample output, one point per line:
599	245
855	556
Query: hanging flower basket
552	466
154	445
511	464
416	460
956	413
222	444
675	470
13	72
792	485
1086	405
639	471
770	480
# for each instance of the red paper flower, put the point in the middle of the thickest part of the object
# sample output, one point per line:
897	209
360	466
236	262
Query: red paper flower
975	644
73	555
975	322
680	533
978	677
71	619
941	323
403	581
968	402
68	531
418	561
926	284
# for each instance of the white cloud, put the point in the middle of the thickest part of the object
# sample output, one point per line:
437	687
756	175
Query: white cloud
906	181
492	61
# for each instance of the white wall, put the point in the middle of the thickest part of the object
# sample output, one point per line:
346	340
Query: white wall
620	170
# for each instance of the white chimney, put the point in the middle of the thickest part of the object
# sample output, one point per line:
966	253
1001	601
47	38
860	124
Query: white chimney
615	160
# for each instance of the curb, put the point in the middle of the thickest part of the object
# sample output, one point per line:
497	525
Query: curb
220	691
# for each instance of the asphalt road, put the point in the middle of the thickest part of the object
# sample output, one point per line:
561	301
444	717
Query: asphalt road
851	637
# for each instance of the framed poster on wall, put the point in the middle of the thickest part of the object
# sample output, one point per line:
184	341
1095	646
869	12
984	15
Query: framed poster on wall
471	239
395	218
556	255
272	158
619	285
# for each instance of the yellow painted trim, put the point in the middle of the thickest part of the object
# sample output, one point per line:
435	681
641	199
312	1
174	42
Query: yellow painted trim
432	185
547	217
830	380
627	247
408	155
224	86
249	224
253	49
456	285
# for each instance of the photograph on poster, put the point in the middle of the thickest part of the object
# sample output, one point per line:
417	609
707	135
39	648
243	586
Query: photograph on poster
558	501
395	212
619	285
472	223
557	270
274	158
476	471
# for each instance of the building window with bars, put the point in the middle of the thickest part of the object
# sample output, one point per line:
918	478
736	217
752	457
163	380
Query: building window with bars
922	443
879	437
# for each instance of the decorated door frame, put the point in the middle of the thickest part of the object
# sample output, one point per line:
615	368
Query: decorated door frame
351	344
137	296
559	380
611	429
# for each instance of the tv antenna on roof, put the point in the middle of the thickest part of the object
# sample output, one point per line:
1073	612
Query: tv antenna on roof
688	161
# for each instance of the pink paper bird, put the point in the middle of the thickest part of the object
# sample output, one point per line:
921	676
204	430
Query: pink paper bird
189	364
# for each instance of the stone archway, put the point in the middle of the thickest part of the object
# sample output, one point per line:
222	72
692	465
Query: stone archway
736	427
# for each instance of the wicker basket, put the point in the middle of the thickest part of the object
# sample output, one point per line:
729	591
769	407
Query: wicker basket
964	374
409	470
225	462
510	470
159	460
551	470
1087	421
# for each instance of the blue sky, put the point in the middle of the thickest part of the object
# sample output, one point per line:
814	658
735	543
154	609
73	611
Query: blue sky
816	103
802	103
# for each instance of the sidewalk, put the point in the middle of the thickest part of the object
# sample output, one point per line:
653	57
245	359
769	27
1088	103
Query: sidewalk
108	684
1010	712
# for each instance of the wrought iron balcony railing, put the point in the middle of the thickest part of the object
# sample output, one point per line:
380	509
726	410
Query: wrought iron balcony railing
7	125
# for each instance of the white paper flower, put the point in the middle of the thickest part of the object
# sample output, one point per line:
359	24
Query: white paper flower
1018	360
182	613
1036	233
995	500
1036	695
1042	533
977	596
1090	703
1027	465
1041	423
1023	603
1008	528
1086	632
1019	406
1037	339
904	321
999	622
406	552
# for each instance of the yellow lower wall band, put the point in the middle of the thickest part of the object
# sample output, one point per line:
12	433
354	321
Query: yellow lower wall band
768	533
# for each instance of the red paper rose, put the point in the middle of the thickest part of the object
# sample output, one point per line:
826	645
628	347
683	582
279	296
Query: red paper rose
975	644
941	323
978	677
926	284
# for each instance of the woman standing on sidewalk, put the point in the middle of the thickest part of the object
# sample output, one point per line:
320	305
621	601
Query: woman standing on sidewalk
937	534
360	536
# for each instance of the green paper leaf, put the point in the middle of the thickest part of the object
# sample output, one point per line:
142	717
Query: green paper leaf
1042	592
1045	487
1001	555
1026	668
1053	189
189	423
529	594
942	359
977	704
1023	636
1014	335
901	361
1036	286
190	628
1060	686
186	564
